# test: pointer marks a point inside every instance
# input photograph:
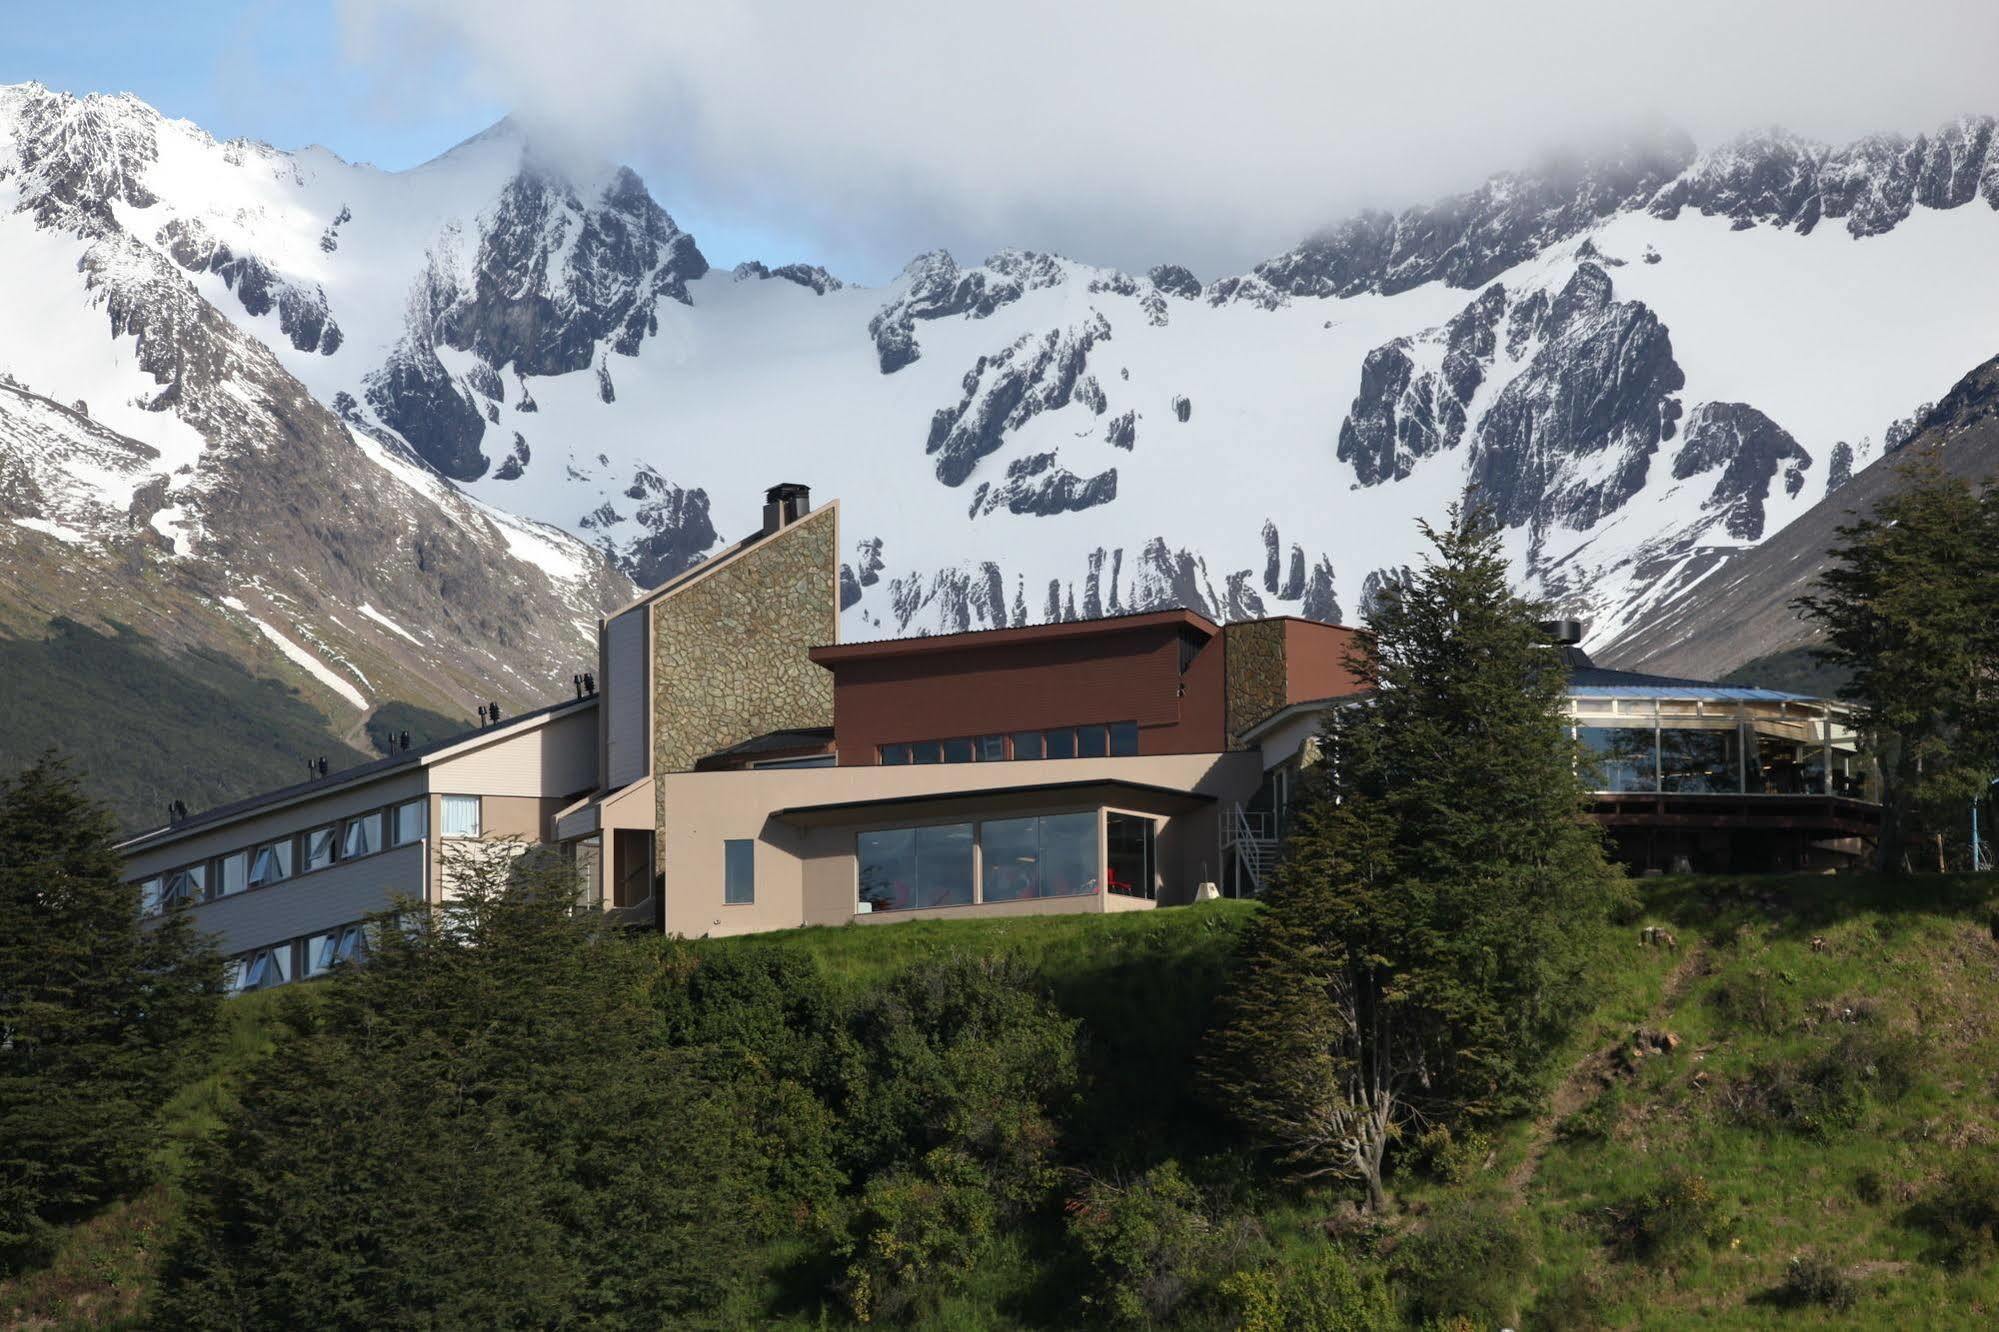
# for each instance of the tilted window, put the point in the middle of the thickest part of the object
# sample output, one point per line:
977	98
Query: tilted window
319	847
364	837
272	863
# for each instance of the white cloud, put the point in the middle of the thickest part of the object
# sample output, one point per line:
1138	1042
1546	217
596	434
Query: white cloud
1140	131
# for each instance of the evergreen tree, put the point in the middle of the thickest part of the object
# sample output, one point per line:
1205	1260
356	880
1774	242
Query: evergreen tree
101	1017
1421	949
483	1126
1910	610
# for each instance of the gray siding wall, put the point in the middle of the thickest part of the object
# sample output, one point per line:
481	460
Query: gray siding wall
312	902
628	747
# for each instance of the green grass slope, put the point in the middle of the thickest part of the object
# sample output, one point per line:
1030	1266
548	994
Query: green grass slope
1798	1076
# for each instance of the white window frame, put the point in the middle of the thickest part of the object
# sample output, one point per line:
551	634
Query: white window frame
448	805
400	835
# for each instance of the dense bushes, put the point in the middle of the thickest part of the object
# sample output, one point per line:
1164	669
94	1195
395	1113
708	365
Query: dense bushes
1671	1222
1151	1244
1326	1291
101	1020
1962	1212
1829	1090
1468	1260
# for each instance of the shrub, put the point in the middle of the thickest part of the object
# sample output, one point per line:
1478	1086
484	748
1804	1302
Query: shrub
1822	1093
1571	1302
1595	1121
1451	1158
1813	1278
1467	1260
1325	1292
1150	1245
1677	1218
1758	1000
914	1235
1962	1212
967	1054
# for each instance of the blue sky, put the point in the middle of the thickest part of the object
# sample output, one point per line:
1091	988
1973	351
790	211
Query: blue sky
263	69
280	71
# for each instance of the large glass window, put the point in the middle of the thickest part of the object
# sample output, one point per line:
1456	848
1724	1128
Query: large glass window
927	751
1619	758
459	816
895	755
1029	745
235	876
904	868
319	845
1092	742
1062	743
1053	855
1124	739
1783	765
959	751
739	871
1128	855
992	748
412	821
364	837
1705	761
271	863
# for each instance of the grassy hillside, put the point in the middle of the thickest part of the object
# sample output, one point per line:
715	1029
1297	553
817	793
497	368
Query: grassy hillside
143	725
1798	1076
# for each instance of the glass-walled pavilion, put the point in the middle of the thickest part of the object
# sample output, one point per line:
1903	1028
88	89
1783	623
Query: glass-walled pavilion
1716	740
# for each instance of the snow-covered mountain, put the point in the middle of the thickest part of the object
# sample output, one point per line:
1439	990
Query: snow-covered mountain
1649	360
163	471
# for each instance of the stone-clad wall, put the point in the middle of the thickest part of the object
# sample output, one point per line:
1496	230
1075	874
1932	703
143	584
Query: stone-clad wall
729	649
1256	678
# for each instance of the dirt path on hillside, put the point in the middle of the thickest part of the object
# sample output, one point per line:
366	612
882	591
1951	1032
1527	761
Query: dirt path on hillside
1586	1079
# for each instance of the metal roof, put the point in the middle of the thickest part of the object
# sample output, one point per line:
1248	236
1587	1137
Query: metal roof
345	777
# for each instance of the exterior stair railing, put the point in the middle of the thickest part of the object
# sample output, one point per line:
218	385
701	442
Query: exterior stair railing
1252	836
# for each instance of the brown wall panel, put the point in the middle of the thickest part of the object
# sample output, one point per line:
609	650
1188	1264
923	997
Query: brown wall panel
988	687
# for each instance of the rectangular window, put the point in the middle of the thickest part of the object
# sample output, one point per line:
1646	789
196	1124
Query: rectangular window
412	821
1619	758
1700	761
186	885
364	837
1054	855
272	967
1029	745
1092	742
905	868
459	816
895	755
1062	743
271	863
927	751
235	873
233	973
992	748
1128	855
1124	739
739	871
319	847
149	896
959	751
325	951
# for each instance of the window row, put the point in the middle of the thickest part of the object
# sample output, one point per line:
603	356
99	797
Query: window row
260	866
297	959
1111	740
1004	860
1730	760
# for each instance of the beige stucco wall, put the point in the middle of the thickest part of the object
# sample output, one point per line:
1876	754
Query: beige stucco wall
557	758
807	875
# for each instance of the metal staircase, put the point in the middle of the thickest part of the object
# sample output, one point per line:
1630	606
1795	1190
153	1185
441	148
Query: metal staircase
1252	836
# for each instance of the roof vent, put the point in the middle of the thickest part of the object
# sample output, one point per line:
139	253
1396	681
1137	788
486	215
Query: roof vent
1563	633
785	504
